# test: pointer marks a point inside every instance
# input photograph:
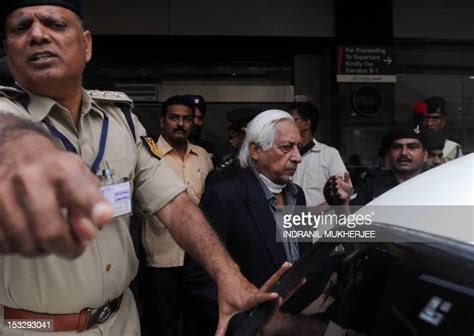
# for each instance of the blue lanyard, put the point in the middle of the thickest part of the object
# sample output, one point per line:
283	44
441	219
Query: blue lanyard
70	147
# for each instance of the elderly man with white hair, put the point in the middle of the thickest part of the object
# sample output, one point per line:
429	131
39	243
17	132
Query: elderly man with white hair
244	212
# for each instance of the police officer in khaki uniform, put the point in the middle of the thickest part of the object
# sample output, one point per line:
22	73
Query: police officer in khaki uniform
47	50
230	164
164	258
200	110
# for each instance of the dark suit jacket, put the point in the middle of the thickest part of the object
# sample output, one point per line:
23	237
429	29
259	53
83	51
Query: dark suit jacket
239	212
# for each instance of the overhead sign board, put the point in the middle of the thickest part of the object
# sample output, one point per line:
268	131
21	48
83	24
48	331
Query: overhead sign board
366	64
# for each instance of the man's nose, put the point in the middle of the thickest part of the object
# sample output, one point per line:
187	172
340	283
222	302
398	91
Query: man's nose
404	150
296	157
38	34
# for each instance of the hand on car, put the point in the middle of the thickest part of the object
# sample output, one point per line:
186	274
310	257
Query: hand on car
248	297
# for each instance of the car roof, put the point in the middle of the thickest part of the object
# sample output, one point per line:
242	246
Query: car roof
440	201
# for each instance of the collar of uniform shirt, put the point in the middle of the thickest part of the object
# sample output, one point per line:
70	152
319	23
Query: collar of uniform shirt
306	148
165	147
39	107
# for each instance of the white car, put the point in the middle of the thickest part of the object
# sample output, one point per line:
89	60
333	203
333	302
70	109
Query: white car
428	266
438	202
418	280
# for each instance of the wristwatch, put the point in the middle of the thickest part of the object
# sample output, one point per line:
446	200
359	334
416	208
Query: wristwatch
353	194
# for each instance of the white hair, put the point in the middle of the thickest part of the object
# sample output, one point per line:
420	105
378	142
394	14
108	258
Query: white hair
261	131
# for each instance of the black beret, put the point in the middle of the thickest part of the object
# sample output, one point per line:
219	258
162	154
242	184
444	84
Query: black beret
435	140
197	101
8	6
436	105
242	115
239	118
406	130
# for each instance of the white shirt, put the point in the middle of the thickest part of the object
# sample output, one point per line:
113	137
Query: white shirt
451	150
318	165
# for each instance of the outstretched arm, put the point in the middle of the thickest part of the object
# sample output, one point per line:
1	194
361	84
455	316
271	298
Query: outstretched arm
38	181
191	230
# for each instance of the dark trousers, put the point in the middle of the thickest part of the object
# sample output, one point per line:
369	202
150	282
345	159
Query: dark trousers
162	301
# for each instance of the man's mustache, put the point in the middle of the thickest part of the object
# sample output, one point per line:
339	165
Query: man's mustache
179	129
403	158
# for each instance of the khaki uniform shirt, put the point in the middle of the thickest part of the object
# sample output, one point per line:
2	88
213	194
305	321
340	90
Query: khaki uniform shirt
161	250
56	285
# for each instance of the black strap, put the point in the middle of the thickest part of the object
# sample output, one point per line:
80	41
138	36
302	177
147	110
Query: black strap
306	148
128	116
70	147
61	137
102	144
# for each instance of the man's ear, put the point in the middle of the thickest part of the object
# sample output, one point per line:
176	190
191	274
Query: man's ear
425	155
254	151
87	39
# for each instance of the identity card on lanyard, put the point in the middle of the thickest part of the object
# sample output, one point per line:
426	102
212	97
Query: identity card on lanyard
119	197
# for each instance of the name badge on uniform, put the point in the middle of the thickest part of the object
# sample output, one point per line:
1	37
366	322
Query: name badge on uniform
119	196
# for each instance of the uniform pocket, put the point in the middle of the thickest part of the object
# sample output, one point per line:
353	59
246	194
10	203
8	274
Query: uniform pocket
123	167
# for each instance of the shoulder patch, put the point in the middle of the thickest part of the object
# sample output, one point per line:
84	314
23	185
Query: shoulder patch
10	92
150	143
226	163
109	96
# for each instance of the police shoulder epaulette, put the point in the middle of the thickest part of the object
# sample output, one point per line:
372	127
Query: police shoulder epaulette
370	173
109	96
151	145
10	92
225	164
